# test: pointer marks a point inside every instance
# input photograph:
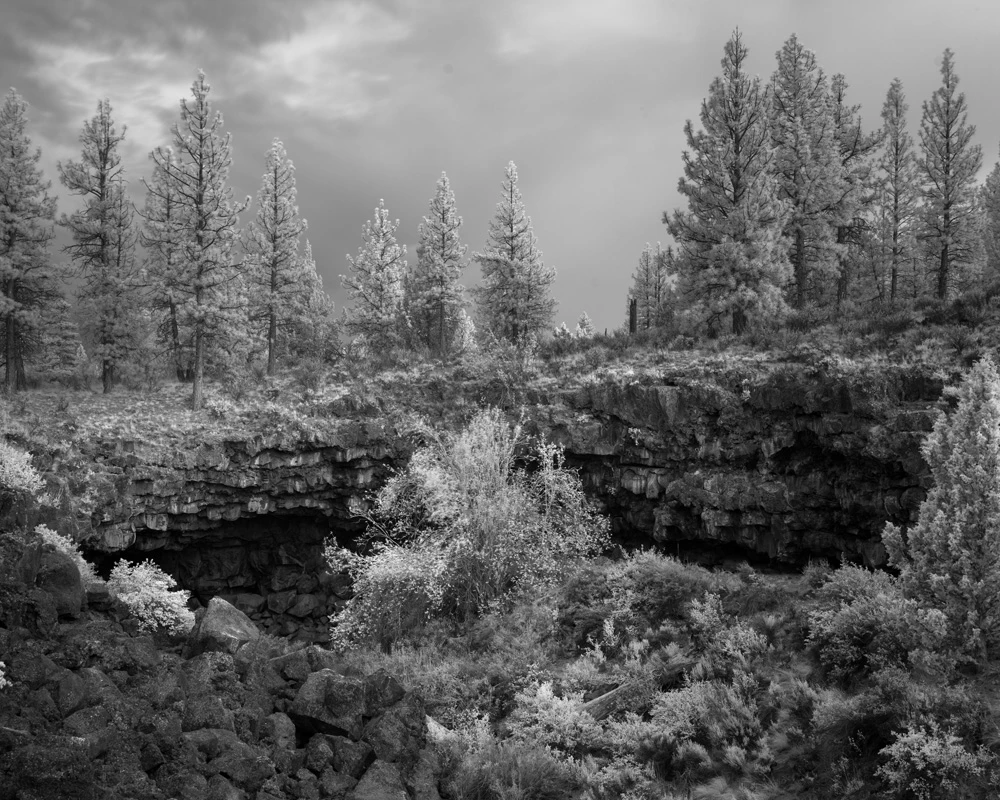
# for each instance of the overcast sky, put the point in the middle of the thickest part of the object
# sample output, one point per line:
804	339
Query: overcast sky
375	99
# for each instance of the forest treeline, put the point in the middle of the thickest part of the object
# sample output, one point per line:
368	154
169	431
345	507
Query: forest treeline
794	209
177	284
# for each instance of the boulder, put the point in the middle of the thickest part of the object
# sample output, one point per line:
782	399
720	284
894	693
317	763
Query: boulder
398	735
336	785
278	729
350	758
245	766
206	711
59	577
222	628
211	742
381	691
87	721
381	781
219	788
329	703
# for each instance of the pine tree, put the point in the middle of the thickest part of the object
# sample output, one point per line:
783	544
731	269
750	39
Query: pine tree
584	326
61	355
434	295
161	235
898	197
991	223
857	151
731	262
514	298
951	559
375	283
313	332
276	268
27	213
809	169
948	164
196	169
104	239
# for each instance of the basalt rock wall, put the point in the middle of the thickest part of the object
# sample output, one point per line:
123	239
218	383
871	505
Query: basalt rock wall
783	466
794	466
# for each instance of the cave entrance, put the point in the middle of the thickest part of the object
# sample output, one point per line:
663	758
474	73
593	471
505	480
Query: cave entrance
270	567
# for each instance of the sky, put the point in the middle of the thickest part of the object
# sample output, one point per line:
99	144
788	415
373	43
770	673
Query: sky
374	99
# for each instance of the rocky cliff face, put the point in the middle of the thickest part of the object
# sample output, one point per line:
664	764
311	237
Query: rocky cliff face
793	466
783	464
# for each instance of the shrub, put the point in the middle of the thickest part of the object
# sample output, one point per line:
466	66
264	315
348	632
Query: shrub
4	683
66	545
926	763
505	770
17	474
146	590
864	624
482	529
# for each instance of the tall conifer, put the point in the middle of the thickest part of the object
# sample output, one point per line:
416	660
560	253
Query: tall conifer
197	169
276	270
434	295
731	263
103	246
27	214
948	164
514	298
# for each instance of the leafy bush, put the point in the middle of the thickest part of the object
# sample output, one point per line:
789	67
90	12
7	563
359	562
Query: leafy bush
17	474
864	624
480	528
146	590
66	545
926	763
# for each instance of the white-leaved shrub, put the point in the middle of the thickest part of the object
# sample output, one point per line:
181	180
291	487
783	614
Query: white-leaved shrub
64	544
465	528
147	591
17	474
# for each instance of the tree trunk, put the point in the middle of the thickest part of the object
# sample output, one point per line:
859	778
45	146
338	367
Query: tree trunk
942	287
107	375
739	321
199	367
801	272
272	343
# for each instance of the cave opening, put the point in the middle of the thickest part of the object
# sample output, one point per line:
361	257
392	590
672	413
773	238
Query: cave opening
271	567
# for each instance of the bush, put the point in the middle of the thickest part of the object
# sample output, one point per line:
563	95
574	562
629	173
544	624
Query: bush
502	771
66	545
145	589
926	763
17	474
863	625
482	530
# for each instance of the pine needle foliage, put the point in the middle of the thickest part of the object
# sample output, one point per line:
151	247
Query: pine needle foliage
514	298
434	294
196	170
27	214
375	283
950	560
104	243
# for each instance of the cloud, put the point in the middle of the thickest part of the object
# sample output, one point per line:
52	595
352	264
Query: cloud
572	27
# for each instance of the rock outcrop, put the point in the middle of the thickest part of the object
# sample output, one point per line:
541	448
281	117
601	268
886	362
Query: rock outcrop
782	461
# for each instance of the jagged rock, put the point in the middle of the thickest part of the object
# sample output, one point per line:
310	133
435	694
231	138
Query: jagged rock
319	754
206	711
219	788
59	577
279	729
211	742
70	693
278	602
305	605
87	721
221	628
335	785
349	757
381	691
381	781
329	703
397	735
245	766
99	597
